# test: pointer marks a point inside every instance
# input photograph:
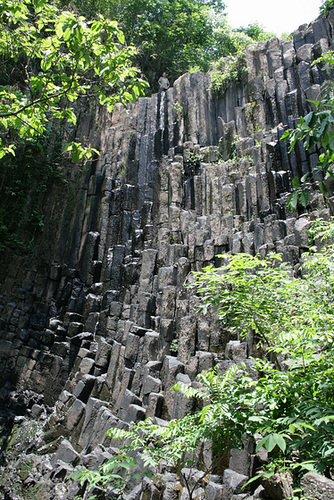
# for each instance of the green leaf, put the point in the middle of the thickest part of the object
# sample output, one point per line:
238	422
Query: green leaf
329	452
308	118
96	26
316	103
120	37
295	182
309	467
325	140
70	116
304	198
11	149
323	188
285	135
304	178
292	200
45	64
67	34
136	475
38	5
271	441
59	30
135	91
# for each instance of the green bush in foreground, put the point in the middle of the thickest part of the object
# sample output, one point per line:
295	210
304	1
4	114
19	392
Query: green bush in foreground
287	397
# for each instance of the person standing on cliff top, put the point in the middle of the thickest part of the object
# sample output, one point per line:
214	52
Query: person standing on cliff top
163	82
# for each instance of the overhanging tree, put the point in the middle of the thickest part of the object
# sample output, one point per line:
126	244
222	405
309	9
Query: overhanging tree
49	59
171	35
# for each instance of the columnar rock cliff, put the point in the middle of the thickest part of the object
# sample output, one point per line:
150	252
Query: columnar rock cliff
96	325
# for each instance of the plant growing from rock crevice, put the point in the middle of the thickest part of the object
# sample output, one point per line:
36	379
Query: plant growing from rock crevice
192	165
228	70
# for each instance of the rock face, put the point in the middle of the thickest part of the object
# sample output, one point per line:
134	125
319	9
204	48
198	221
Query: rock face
316	486
96	326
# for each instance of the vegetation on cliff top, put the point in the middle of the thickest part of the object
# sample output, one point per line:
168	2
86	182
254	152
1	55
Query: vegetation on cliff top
326	6
177	36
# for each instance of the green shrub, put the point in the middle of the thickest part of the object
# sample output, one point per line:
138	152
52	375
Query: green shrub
192	164
288	395
326	6
227	70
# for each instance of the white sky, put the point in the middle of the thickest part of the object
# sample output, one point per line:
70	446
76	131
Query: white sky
277	16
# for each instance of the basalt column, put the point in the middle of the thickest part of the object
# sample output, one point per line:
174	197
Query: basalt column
96	324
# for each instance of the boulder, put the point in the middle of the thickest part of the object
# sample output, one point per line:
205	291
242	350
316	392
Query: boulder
316	486
66	453
278	486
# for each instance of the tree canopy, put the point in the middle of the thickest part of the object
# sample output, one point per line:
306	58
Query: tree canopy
174	36
51	58
171	36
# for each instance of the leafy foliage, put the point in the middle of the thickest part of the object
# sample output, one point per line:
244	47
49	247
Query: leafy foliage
192	164
221	421
177	36
256	32
321	230
287	396
326	6
229	63
170	36
293	317
316	129
109	474
50	59
299	194
229	69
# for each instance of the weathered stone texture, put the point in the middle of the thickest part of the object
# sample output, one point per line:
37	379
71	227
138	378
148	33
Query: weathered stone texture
98	322
317	486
